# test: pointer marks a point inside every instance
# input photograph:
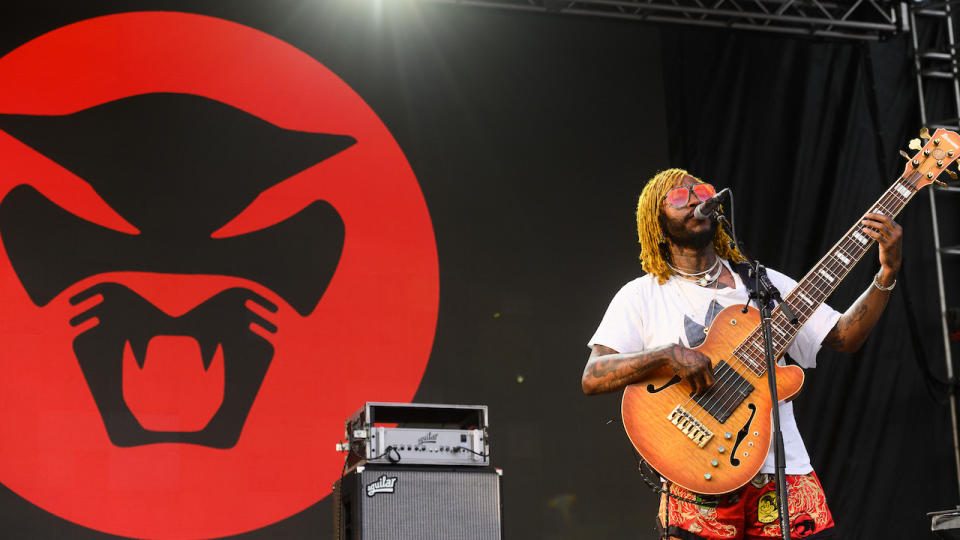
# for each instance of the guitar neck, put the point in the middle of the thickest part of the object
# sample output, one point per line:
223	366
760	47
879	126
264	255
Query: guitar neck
822	280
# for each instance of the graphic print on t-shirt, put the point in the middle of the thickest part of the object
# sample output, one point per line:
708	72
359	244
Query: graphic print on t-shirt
697	332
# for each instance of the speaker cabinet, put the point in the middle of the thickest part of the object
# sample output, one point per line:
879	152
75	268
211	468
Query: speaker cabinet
406	503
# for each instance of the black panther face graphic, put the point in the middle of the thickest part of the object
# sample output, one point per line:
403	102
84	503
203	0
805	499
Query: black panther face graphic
205	200
177	168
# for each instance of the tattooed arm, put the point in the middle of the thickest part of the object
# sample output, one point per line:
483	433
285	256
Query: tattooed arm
851	330
607	370
853	327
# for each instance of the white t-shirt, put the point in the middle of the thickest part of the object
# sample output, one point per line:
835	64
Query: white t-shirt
645	314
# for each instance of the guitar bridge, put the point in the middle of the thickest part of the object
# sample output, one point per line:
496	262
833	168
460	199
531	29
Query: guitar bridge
690	426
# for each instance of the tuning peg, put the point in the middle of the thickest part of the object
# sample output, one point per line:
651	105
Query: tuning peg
914	145
953	175
905	155
924	134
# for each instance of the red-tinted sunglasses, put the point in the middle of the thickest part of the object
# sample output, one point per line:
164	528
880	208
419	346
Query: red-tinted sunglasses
679	196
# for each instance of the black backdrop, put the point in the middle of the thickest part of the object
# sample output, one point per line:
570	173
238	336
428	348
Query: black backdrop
531	136
807	134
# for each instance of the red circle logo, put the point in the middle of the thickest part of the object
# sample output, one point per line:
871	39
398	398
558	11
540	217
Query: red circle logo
213	253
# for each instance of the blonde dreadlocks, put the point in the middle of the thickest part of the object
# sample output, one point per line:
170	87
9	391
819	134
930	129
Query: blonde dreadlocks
651	235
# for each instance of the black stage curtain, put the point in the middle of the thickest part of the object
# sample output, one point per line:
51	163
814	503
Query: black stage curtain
807	135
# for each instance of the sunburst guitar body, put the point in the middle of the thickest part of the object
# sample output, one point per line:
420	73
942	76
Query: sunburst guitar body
716	442
683	440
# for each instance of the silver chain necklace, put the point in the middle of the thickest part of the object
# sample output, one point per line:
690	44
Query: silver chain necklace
703	278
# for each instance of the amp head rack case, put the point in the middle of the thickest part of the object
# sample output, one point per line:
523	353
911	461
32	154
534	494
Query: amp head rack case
417	434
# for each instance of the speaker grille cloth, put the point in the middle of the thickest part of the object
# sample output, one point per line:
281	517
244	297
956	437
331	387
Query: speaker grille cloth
432	505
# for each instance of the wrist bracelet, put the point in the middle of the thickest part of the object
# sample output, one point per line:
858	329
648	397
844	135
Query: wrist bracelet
876	283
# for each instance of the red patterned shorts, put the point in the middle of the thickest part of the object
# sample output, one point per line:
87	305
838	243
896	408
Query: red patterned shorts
750	512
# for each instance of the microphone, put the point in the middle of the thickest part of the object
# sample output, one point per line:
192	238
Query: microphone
708	208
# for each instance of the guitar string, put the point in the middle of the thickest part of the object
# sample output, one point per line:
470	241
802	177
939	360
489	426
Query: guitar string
728	392
707	311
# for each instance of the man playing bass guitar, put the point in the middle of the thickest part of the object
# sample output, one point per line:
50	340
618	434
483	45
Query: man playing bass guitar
654	323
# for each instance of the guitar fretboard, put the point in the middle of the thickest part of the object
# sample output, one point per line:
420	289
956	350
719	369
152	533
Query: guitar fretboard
821	281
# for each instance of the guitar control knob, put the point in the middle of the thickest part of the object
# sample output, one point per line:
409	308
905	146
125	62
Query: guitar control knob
707	476
721	449
715	463
728	435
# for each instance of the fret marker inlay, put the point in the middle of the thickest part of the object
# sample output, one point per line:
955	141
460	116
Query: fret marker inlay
827	275
842	257
903	191
860	237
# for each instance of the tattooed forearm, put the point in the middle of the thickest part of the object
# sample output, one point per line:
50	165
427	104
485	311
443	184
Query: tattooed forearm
859	312
850	332
602	387
607	370
608	365
834	340
608	373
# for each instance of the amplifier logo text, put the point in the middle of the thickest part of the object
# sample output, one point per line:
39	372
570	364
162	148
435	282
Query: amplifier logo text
384	484
428	438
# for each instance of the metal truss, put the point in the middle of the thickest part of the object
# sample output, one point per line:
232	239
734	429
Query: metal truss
936	68
843	19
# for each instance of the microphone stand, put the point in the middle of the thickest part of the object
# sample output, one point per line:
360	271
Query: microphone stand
764	293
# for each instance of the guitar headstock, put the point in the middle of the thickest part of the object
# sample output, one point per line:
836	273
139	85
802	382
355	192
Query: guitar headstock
940	150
